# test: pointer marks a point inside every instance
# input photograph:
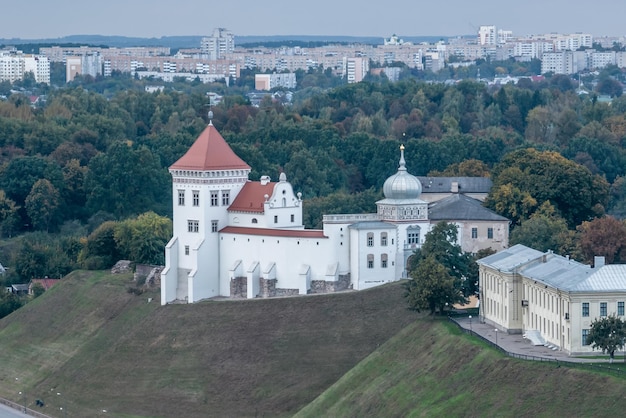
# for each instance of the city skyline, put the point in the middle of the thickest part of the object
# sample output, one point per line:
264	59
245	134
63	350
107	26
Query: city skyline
406	18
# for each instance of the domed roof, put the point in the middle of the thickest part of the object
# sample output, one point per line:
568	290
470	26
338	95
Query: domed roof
402	185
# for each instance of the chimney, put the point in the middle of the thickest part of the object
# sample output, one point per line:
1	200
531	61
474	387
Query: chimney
598	261
455	187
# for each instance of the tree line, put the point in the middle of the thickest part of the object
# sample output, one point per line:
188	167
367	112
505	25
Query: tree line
91	156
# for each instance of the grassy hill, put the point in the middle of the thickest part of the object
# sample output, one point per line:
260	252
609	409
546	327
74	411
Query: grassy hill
104	348
349	354
430	369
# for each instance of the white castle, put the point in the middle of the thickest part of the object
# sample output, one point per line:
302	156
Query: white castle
244	239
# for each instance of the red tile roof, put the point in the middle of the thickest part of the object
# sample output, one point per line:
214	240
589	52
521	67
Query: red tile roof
251	197
290	233
46	283
210	152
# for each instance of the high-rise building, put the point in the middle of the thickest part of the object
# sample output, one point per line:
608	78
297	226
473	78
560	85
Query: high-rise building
221	42
487	35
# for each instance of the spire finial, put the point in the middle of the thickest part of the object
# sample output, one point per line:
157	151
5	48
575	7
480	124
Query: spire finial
210	117
402	162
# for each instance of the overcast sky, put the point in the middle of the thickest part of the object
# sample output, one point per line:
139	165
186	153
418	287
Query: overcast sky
155	18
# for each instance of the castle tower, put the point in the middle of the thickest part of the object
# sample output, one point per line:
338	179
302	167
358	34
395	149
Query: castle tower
205	181
403	207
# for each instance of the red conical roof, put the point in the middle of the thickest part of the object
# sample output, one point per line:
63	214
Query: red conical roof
210	152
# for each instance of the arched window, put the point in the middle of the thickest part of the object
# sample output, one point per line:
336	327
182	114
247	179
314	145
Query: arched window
383	261
255	221
370	261
370	239
413	235
383	239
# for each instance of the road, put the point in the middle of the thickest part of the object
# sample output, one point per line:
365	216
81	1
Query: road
6	412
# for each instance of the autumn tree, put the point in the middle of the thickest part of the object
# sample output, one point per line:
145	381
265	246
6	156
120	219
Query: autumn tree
607	334
603	237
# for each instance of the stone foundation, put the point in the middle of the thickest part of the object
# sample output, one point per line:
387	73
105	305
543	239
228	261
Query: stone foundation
322	286
287	292
239	288
267	288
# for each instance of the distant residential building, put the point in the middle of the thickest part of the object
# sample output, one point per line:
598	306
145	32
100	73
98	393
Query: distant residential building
219	44
355	69
487	35
561	62
270	81
15	64
172	76
88	64
45	283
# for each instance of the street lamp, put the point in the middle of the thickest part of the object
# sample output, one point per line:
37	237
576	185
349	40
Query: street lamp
470	318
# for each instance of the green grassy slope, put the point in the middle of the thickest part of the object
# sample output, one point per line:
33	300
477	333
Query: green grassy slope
103	348
430	369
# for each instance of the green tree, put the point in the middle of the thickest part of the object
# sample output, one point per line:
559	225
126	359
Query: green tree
38	290
544	231
441	244
42	205
9	216
431	287
607	334
100	249
143	239
9	303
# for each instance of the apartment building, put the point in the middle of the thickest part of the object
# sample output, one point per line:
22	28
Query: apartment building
15	64
222	42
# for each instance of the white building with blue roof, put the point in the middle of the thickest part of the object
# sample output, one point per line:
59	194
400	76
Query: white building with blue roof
549	298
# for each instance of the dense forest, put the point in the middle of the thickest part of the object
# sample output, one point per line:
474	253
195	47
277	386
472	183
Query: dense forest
84	180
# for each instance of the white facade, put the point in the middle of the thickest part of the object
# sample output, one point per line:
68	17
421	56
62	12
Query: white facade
239	238
14	64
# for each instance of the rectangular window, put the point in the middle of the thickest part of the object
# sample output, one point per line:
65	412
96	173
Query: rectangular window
186	249
383	239
181	198
214	198
585	308
196	197
602	308
275	219
490	233
585	335
474	233
293	218
193	225
370	239
620	308
225	197
383	261
213	226
413	237
370	261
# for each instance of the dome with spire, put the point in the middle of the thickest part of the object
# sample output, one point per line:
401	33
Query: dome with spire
402	185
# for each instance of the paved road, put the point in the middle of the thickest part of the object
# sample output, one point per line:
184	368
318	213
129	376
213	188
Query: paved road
6	412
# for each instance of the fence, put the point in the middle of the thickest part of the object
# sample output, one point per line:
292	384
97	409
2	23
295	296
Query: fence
583	365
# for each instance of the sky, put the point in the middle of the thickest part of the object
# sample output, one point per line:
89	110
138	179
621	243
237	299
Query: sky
35	19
